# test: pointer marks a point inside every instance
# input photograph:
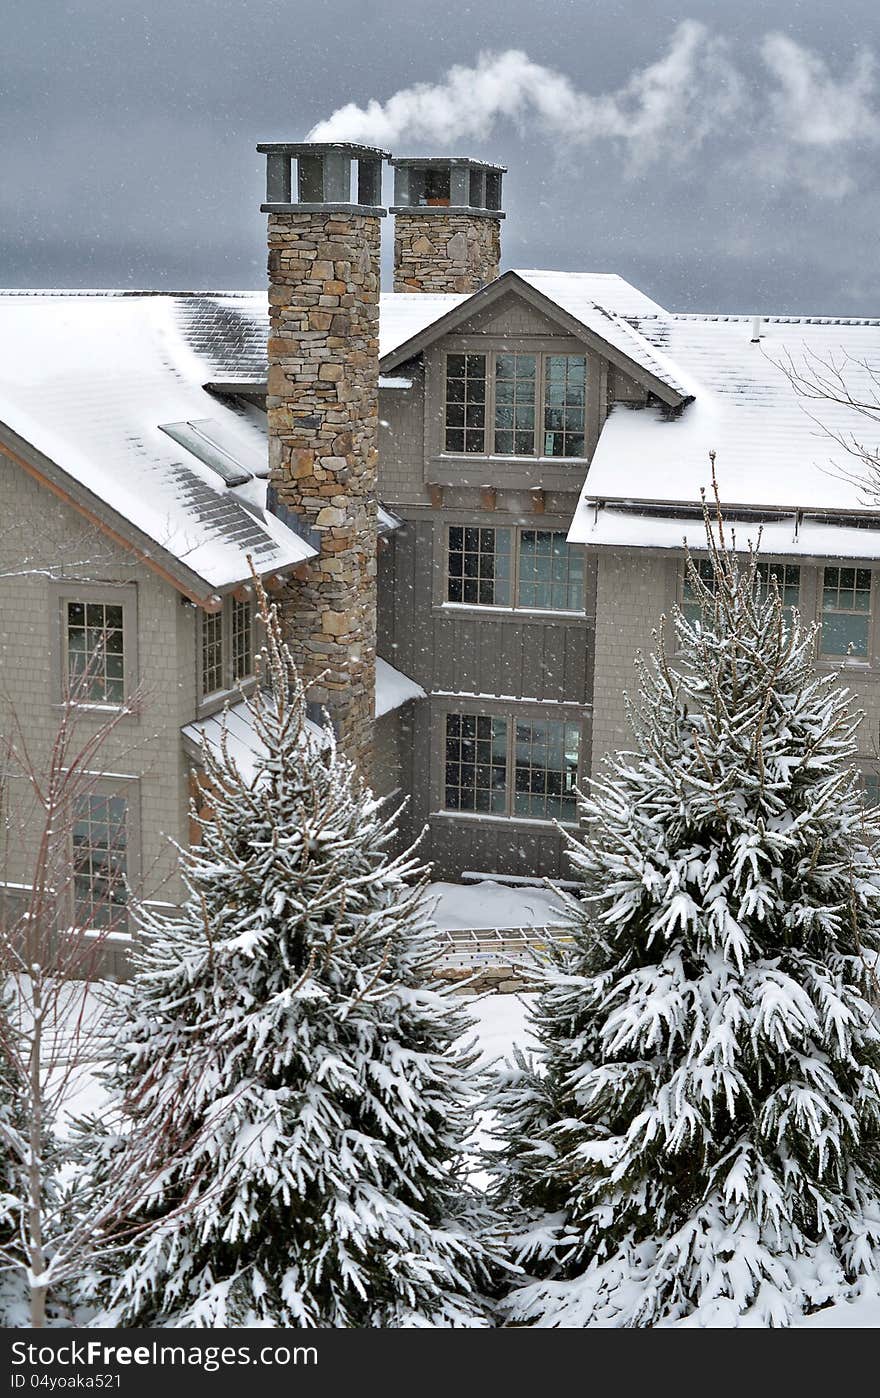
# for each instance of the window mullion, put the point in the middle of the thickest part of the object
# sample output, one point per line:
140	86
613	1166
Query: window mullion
511	773
514	601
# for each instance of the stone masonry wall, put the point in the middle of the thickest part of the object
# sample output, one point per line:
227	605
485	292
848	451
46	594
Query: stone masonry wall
323	425
440	252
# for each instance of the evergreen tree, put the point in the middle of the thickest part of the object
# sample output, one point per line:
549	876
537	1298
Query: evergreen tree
697	1138
285	1080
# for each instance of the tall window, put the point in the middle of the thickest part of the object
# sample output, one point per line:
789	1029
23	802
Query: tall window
99	861
212	652
515	386
227	646
95	651
476	763
466	403
525	767
242	640
528	569
787	575
564	402
846	612
516	404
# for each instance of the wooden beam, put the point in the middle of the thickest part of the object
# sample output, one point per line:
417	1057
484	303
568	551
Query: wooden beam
538	502
435	493
488	497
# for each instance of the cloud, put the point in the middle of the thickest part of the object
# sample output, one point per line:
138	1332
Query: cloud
666	109
782	122
818	125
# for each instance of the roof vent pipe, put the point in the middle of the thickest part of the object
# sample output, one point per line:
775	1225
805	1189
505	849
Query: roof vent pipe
756	329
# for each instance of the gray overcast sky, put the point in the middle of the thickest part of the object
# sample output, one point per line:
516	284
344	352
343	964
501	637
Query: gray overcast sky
720	155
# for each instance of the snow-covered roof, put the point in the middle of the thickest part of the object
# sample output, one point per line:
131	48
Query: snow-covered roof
792	535
775	451
88	380
243	745
393	688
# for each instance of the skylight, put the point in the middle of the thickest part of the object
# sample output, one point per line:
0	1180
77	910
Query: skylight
234	460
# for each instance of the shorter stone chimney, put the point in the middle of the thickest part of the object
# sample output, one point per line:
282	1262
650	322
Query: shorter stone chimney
447	224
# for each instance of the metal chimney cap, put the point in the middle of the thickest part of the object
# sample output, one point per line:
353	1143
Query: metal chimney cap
298	148
443	162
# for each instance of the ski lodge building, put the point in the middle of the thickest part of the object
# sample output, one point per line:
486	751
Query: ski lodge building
470	495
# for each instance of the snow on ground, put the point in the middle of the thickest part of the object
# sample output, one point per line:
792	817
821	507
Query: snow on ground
458	906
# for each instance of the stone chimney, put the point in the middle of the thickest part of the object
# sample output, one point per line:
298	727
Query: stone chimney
323	203
447	224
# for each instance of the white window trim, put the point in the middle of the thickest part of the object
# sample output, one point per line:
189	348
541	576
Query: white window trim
855	662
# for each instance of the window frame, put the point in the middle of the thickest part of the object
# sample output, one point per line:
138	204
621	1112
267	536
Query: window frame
230	685
771	563
541	355
866	661
62	593
515	530
104	784
469	706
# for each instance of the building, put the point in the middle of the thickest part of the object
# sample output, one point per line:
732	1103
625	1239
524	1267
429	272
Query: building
537	440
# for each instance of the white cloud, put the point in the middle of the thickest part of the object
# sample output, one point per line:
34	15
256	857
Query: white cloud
811	107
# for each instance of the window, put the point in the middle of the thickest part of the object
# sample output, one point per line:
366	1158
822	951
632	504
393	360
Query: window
212	652
515	383
524	767
100	844
528	569
479	566
846	612
564	401
95	646
476	763
550	575
516	404
466	403
227	647
242	641
871	789
787	575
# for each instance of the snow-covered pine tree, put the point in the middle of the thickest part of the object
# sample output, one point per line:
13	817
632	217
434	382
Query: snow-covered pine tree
697	1138
13	1151
285	1078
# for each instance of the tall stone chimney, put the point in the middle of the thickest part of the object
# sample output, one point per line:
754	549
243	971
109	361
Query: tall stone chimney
323	415
447	224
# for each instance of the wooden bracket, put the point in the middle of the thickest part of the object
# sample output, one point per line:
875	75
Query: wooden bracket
435	492
538	502
488	495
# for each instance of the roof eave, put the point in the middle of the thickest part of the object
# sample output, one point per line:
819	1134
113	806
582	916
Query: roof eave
115	526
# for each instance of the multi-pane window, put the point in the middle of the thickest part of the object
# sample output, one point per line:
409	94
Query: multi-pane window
99	861
564	403
479	566
515	386
545	770
242	641
871	788
787	575
550	575
516	404
531	569
525	768
212	652
95	642
476	763
846	612
465	403
227	646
